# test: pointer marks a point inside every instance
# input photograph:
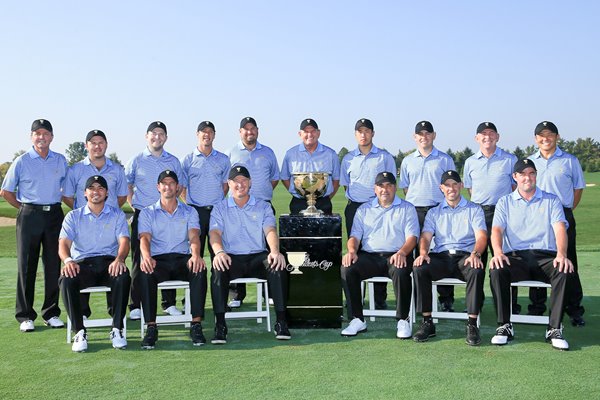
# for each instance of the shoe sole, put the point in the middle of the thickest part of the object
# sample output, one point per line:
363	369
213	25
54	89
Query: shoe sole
78	351
147	347
283	337
54	327
120	348
423	340
403	337
218	341
473	344
198	344
26	330
347	335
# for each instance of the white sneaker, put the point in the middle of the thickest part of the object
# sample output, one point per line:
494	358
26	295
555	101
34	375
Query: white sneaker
54	322
235	304
355	327
554	335
404	329
27	326
135	314
117	338
504	334
80	342
173	311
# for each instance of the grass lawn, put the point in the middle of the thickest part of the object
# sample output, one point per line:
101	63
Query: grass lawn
315	363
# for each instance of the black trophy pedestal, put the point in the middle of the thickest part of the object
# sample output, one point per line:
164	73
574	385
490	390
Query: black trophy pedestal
315	294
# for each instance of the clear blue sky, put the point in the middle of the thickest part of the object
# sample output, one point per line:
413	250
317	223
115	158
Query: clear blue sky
117	66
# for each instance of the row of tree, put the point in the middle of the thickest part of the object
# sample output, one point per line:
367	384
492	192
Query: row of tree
586	150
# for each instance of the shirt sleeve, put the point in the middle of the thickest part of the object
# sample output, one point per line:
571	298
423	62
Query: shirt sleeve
411	227
145	221
216	218
500	217
404	178
11	180
68	229
122	230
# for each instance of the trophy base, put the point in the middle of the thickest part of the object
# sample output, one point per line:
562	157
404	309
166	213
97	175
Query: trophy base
311	211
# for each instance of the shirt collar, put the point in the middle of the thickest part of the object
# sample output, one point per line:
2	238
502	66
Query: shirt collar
557	153
34	154
86	210
374	150
462	203
319	148
198	152
87	161
517	196
496	153
147	153
434	153
231	202
240	146
397	201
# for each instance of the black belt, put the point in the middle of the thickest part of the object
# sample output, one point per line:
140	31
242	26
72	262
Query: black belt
41	207
456	253
207	208
358	203
489	207
424	208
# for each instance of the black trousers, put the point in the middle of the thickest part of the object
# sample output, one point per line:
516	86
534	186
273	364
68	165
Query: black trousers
379	288
173	266
168	296
369	265
573	307
323	204
248	266
445	265
446	293
37	228
94	272
530	265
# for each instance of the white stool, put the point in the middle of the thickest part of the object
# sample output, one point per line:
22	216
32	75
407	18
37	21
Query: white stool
185	318
96	322
435	314
260	313
529	319
371	311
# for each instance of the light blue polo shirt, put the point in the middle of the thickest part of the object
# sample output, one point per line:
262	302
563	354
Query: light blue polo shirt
559	175
422	176
169	231
93	235
142	172
528	224
262	165
298	159
78	174
358	172
205	176
489	178
454	228
36	180
383	229
242	229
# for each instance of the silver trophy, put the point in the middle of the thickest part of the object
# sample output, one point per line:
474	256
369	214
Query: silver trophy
311	185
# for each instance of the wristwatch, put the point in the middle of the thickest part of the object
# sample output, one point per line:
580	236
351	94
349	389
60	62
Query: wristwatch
477	254
67	260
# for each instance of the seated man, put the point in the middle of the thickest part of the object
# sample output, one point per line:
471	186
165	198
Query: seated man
529	237
460	235
93	244
169	232
388	229
239	226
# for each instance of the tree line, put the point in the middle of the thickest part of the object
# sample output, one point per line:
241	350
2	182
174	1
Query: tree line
586	150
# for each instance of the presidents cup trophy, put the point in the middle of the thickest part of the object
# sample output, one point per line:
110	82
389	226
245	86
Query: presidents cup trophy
311	185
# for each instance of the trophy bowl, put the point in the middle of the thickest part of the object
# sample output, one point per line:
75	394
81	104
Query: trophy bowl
311	185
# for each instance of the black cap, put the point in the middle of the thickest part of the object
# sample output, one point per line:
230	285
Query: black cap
248	120
96	179
545	125
384	177
423	126
41	124
486	125
363	122
522	164
308	122
450	174
238	170
167	174
93	133
157	124
205	124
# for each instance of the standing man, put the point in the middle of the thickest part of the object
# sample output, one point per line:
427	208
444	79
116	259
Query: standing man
262	164
206	170
141	172
560	173
241	226
458	226
529	236
33	185
170	247
419	176
96	163
488	176
358	171
311	156
94	243
387	227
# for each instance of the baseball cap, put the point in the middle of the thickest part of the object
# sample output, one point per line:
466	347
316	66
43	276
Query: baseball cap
545	125
363	122
522	164
308	122
486	125
93	133
248	120
167	174
96	179
423	126
41	124
238	170
205	124
450	174
384	177
157	124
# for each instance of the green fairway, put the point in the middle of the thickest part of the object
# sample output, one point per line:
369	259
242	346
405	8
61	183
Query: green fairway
315	363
